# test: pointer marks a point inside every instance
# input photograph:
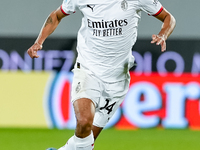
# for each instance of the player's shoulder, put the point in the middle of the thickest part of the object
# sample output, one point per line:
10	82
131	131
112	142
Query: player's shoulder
92	1
145	1
149	1
152	3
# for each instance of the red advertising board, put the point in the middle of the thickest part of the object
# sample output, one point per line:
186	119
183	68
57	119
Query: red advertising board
169	101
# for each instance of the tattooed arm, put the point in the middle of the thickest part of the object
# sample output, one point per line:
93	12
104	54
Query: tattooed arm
49	26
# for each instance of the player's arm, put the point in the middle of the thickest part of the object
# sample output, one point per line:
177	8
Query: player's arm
49	26
168	26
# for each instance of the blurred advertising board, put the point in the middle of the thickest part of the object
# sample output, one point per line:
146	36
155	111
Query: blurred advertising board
164	90
21	99
59	54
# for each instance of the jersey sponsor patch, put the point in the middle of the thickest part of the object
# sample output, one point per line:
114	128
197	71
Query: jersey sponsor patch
107	28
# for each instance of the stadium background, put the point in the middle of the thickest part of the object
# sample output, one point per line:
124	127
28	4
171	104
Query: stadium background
33	93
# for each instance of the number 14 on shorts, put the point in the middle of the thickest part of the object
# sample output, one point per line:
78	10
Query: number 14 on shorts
108	106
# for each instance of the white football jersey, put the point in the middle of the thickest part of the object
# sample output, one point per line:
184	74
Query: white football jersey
107	34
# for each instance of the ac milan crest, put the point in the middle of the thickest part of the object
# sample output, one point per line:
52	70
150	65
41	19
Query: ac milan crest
124	5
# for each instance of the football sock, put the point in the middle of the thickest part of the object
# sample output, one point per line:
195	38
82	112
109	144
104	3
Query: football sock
86	143
70	145
76	143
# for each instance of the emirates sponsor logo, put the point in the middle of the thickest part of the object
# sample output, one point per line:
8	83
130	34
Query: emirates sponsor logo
107	28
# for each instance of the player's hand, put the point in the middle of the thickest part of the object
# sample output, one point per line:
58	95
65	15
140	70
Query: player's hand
32	51
159	40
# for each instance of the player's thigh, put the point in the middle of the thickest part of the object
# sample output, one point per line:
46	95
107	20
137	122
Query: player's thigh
84	110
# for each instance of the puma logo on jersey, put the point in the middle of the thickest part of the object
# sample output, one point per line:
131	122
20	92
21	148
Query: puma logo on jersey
91	7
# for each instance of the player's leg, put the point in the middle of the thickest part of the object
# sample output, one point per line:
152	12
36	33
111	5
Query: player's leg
84	110
83	139
96	131
85	96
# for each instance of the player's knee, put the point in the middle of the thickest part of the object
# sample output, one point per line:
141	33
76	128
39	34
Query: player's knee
84	124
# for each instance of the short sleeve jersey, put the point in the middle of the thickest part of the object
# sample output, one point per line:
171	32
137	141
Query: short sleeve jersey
107	34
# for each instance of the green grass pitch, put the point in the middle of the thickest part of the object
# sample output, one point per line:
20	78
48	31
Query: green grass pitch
109	139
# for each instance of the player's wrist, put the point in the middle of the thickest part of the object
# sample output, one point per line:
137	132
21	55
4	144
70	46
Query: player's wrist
39	43
163	36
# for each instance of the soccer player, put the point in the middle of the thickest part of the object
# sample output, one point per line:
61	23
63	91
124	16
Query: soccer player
101	72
